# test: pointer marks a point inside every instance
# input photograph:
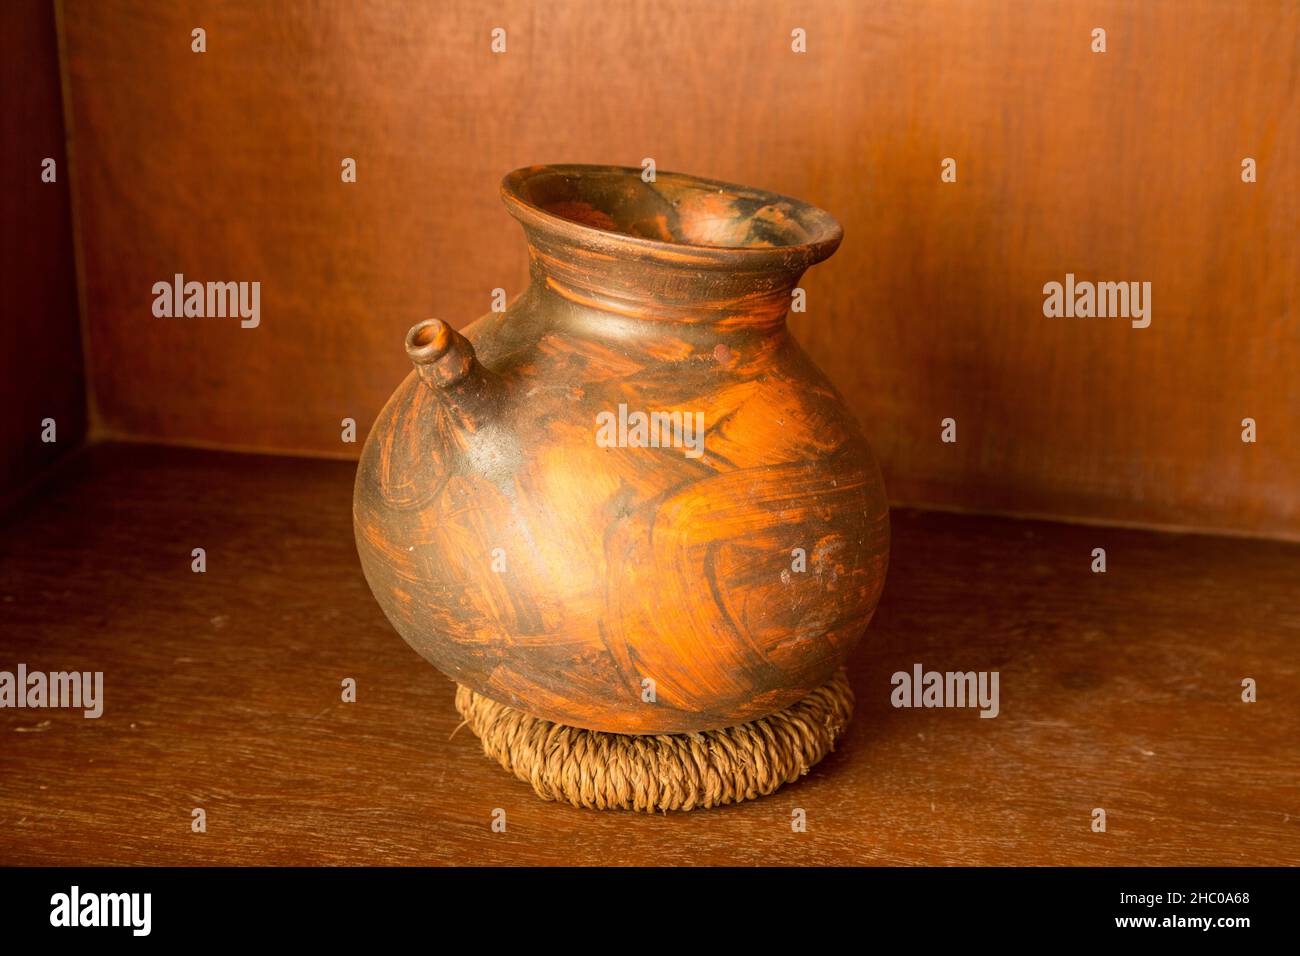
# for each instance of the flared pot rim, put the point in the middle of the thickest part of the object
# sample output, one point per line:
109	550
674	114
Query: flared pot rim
807	234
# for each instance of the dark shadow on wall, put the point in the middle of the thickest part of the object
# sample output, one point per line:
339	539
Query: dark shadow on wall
42	385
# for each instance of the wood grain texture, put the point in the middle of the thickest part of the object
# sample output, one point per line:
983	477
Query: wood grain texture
1118	690
525	539
1122	166
41	372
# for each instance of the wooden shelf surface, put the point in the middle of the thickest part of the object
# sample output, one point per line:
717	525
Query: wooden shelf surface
222	691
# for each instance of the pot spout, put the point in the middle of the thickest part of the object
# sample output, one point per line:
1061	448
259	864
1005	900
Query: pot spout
446	363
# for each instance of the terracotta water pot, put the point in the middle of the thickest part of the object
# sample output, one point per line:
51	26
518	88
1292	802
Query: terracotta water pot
630	502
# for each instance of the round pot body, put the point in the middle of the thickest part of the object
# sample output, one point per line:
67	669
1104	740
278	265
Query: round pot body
630	502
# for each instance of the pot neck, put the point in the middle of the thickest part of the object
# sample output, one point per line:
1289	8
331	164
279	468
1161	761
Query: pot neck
676	287
677	248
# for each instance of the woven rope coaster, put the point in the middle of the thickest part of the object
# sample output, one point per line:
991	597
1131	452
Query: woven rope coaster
604	771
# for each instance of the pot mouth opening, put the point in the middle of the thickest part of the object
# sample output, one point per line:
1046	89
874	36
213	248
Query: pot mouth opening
614	208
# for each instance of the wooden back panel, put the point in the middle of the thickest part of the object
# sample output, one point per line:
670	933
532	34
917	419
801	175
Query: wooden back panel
1115	166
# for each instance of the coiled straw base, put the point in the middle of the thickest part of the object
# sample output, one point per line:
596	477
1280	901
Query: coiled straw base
603	771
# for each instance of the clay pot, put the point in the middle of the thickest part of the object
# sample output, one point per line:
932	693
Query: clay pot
531	526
